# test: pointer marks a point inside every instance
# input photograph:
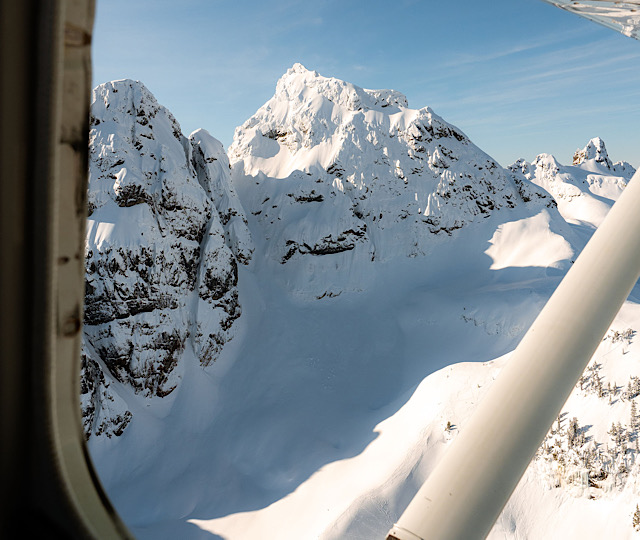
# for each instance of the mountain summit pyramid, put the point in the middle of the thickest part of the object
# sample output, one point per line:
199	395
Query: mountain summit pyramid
594	150
595	154
394	177
584	190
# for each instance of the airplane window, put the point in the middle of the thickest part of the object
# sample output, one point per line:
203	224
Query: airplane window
315	232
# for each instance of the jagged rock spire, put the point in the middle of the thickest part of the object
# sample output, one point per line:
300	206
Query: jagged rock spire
595	150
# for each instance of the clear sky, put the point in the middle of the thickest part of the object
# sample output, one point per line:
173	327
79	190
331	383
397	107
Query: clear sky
519	77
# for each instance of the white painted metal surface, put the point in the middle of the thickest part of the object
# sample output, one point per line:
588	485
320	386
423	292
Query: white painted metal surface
621	15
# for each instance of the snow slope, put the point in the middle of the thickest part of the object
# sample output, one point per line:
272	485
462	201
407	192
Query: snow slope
380	302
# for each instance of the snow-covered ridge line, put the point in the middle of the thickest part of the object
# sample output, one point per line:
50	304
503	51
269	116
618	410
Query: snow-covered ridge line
584	190
341	93
385	180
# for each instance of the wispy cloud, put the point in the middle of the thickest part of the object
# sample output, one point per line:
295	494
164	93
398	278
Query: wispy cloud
511	49
492	69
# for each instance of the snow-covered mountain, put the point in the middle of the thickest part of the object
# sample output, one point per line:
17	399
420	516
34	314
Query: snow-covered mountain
402	173
595	155
289	338
330	168
164	236
584	190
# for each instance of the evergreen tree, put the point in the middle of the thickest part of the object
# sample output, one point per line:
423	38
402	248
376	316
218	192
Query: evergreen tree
633	387
572	432
633	420
613	432
599	389
620	434
636	519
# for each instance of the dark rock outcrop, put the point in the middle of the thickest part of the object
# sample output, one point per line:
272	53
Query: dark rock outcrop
165	235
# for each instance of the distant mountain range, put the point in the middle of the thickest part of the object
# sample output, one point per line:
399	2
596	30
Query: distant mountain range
287	335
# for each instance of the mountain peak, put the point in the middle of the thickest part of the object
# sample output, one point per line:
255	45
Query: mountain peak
594	150
376	178
118	83
299	68
129	88
547	162
116	101
302	86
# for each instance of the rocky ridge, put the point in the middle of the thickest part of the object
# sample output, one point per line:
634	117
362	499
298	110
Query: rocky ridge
375	178
585	190
165	234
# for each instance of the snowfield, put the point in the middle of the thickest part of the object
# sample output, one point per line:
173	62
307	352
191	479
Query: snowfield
356	275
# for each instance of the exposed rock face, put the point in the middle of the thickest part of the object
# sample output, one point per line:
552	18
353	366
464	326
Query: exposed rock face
212	167
165	234
379	179
594	150
596	153
103	410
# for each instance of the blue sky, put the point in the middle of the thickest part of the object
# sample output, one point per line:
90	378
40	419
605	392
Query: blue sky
520	77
